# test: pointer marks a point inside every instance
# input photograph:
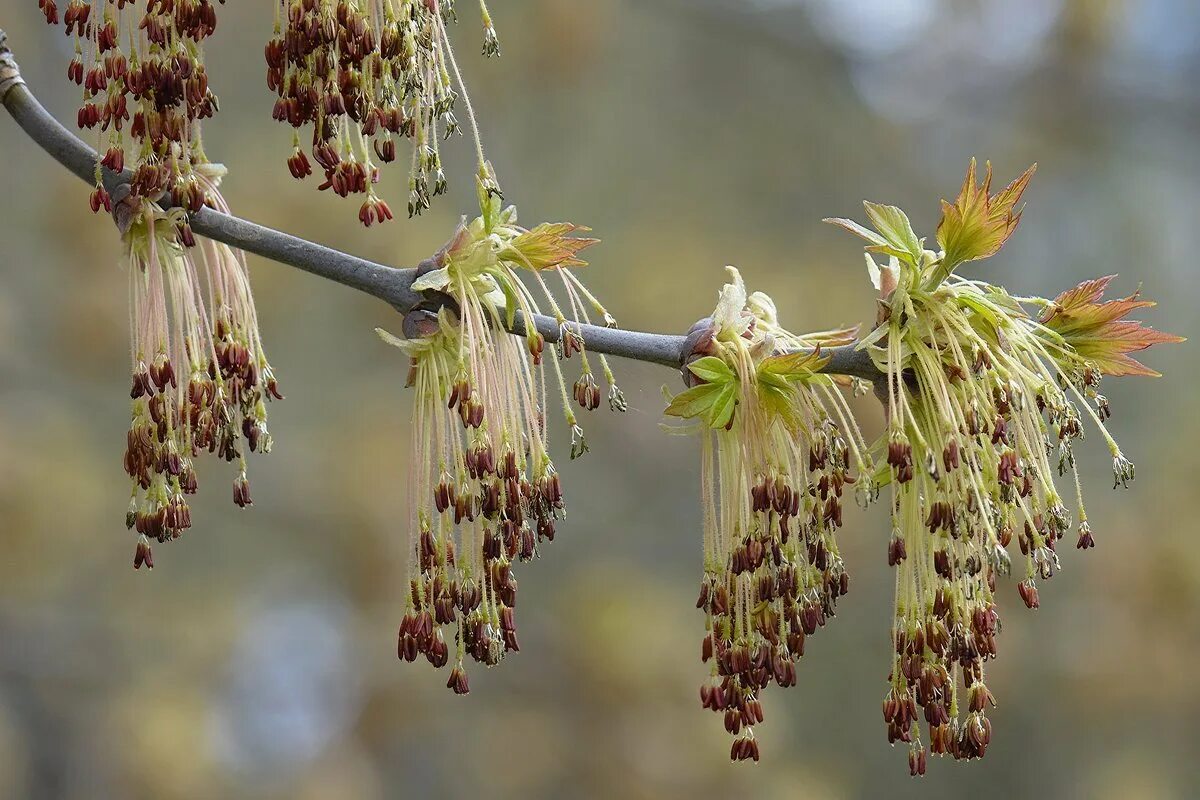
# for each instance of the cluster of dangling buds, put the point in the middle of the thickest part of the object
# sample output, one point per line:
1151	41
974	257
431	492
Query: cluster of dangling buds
363	73
778	445
484	492
984	401
200	377
147	101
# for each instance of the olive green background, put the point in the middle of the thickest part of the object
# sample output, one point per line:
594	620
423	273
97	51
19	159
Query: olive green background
258	659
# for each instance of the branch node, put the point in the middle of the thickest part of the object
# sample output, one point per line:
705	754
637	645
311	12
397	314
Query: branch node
10	72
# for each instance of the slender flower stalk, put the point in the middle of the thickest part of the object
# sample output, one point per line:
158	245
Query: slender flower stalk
484	491
145	99
984	401
200	375
778	444
364	73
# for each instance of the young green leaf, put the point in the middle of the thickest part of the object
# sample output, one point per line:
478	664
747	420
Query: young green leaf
712	370
720	414
977	224
893	225
434	279
795	366
779	401
694	402
858	230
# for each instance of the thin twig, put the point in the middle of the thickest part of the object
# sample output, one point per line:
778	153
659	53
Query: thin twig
392	285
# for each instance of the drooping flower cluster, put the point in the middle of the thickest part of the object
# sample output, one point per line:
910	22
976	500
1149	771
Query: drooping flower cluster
200	376
364	73
984	402
144	100
484	492
778	445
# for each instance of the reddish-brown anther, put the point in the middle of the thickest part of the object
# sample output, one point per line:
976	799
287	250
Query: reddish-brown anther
143	555
1029	593
784	671
1000	431
1008	469
88	115
75	70
422	629
386	150
980	697
1085	536
950	458
437	653
744	749
916	761
241	492
406	648
106	36
114	159
100	199
458	681
978	732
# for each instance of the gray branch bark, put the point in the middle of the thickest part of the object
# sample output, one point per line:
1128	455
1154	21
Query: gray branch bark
392	285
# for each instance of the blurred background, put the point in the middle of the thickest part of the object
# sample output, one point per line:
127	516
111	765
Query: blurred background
258	659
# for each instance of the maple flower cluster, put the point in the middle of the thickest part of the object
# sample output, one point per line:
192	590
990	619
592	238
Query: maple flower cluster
984	401
363	73
778	445
484	491
145	100
200	377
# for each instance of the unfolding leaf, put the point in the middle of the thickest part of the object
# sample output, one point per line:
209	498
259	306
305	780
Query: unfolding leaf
551	245
712	370
511	298
894	227
694	402
1090	291
434	279
393	340
873	271
858	230
833	337
730	303
412	347
1099	332
1080	308
780	401
977	224
763	307
487	191
795	365
775	380
721	410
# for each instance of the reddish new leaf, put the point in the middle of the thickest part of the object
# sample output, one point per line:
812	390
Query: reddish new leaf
977	224
1098	330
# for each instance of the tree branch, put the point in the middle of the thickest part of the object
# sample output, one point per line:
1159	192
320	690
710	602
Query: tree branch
393	286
